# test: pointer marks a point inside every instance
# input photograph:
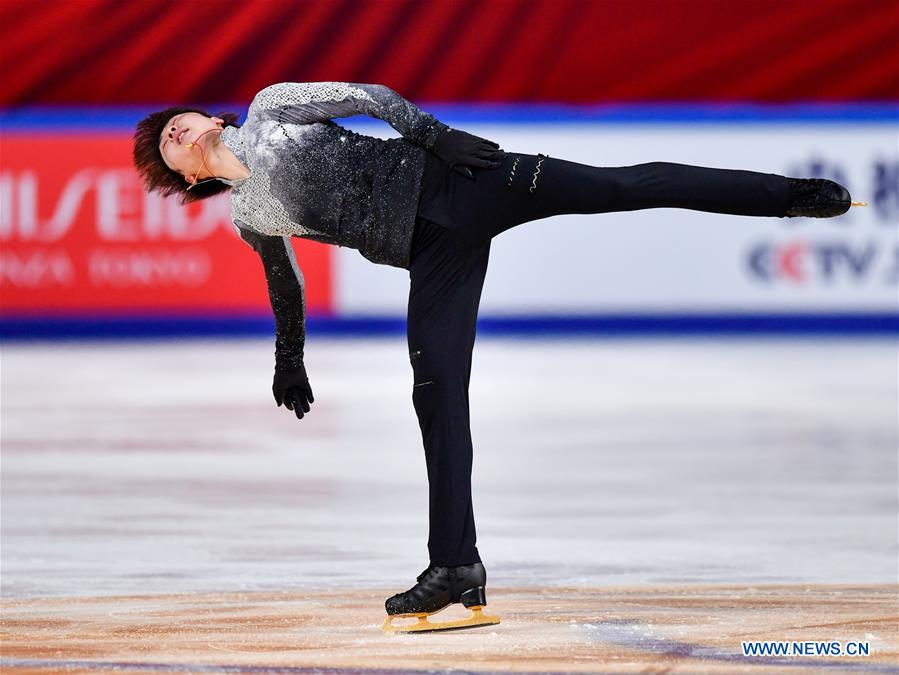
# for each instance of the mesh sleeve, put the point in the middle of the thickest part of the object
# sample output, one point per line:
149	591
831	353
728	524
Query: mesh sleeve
308	102
287	293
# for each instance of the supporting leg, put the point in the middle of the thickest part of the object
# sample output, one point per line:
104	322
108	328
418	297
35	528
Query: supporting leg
445	290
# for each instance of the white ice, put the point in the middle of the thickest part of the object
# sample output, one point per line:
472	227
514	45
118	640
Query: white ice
166	467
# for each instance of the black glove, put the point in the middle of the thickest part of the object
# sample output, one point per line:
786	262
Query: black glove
291	387
460	150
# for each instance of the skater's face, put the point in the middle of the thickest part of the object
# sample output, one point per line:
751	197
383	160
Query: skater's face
181	130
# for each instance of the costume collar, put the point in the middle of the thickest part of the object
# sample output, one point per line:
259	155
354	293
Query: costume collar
233	140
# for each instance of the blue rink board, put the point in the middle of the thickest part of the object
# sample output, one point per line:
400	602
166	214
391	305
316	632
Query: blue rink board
70	119
526	326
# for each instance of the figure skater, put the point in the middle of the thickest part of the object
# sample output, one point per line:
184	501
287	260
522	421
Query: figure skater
430	202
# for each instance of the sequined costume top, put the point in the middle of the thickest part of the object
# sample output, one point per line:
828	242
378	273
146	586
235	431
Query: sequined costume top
312	178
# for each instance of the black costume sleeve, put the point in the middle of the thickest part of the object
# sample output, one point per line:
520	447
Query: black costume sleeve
307	102
287	293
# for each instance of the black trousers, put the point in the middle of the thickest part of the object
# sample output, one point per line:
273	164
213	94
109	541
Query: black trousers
457	219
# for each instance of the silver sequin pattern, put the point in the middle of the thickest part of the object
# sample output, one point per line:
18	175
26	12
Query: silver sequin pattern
314	179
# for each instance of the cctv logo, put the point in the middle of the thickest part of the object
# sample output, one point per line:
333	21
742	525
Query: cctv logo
804	262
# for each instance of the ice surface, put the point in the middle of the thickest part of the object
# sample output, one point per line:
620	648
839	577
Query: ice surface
166	467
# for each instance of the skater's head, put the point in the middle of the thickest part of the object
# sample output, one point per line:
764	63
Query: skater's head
169	150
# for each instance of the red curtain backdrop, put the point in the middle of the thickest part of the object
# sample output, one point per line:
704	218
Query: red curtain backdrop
577	51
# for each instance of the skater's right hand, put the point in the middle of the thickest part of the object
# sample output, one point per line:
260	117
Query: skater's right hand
291	388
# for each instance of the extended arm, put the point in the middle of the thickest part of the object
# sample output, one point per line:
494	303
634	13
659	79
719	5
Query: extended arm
287	294
307	102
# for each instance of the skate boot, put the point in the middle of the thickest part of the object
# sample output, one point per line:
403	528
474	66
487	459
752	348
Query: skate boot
818	198
438	588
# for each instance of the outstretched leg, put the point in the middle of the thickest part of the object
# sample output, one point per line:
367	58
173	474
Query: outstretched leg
568	187
530	187
446	279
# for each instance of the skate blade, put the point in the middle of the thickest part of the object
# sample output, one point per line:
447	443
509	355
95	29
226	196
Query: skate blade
858	203
477	618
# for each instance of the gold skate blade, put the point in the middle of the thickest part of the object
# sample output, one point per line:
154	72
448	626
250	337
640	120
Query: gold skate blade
858	203
477	618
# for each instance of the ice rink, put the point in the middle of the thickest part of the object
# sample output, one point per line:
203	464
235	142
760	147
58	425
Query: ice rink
614	480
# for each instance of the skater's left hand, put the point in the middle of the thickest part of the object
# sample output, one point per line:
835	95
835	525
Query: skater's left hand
291	388
460	150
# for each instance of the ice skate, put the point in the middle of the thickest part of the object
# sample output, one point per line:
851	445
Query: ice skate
437	589
818	198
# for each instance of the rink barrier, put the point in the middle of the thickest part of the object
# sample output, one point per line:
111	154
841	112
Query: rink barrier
172	321
520	326
67	119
